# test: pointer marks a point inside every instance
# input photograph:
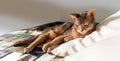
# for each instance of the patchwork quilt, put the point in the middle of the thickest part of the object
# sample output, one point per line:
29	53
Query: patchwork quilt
7	42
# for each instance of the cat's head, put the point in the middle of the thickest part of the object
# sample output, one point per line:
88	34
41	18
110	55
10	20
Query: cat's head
84	22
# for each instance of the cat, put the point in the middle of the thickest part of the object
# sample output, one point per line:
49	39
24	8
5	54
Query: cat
83	24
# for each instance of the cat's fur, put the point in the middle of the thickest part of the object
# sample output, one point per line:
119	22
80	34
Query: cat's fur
83	25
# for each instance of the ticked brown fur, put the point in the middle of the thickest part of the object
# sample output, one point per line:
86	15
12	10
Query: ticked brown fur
83	25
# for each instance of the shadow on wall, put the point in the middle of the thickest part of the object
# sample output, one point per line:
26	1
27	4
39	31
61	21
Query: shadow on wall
36	12
39	12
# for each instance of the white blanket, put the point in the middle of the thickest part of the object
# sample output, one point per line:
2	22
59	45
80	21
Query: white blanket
89	49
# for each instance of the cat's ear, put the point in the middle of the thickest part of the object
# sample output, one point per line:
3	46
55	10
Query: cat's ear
74	16
91	13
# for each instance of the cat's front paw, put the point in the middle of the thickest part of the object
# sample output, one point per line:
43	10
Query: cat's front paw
27	50
46	47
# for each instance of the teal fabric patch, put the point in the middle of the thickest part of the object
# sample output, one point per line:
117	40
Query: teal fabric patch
24	35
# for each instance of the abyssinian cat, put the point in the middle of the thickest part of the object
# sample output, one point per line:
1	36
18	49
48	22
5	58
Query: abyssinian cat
83	24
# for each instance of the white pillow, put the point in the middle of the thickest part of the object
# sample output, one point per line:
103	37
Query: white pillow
107	28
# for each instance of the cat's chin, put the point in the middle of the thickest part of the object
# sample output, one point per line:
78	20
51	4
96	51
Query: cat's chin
91	27
81	32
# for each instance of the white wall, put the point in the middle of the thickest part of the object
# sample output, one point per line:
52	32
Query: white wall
19	14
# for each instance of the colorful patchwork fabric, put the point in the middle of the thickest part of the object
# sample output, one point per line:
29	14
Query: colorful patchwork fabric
8	40
11	57
27	57
3	53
